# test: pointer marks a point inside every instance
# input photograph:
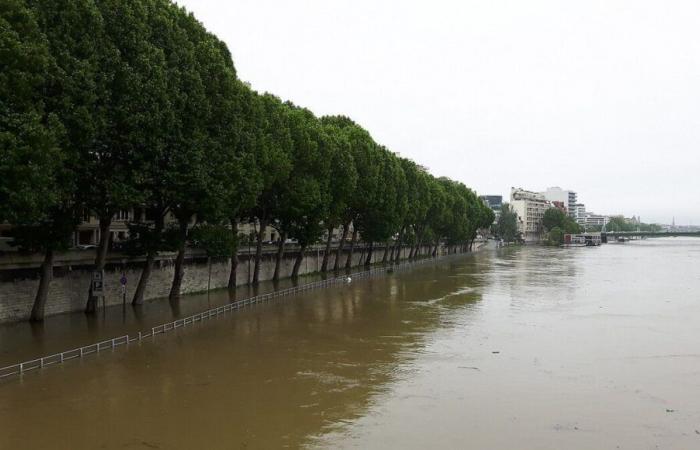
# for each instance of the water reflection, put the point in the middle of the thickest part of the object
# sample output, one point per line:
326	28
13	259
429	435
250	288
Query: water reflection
527	348
267	377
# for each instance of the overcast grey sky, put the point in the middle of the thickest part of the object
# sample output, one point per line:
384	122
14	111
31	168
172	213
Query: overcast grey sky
602	97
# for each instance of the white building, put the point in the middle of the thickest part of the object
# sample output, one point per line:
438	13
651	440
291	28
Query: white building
579	212
530	207
591	219
567	197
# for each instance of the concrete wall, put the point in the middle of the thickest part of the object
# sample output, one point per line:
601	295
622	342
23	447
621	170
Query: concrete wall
68	290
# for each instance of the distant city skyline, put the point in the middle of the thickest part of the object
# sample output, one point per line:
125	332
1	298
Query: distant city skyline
600	97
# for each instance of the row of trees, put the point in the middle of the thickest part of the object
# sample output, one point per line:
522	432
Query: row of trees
108	105
620	224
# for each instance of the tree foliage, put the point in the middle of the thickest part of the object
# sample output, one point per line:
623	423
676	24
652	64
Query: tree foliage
506	227
108	105
556	218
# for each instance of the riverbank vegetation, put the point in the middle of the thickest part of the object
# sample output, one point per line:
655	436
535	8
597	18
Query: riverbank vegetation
506	226
556	224
620	224
108	105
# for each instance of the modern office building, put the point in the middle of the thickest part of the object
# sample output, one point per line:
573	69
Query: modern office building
495	202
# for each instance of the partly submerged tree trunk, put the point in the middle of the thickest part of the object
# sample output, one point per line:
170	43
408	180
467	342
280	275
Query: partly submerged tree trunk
179	261
42	293
348	263
143	280
326	254
297	262
396	251
368	261
258	251
148	268
234	255
339	251
100	259
209	279
386	252
279	256
435	249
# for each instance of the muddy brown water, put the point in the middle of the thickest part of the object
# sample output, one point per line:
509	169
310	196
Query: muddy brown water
521	348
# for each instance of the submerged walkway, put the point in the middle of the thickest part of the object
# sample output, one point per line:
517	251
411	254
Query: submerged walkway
136	332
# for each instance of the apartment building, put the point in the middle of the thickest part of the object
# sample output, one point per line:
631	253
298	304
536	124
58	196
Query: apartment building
567	197
530	207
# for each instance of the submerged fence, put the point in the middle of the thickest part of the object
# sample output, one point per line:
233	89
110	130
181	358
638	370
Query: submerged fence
111	344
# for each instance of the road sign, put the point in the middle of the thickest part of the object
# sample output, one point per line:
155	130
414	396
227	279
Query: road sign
98	283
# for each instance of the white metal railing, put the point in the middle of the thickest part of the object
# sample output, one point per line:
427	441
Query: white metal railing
111	344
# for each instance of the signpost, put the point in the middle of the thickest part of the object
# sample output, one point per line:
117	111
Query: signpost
122	281
98	277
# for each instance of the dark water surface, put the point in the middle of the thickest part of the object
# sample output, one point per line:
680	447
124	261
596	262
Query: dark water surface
528	348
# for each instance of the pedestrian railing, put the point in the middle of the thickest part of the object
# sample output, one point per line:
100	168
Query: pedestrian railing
111	344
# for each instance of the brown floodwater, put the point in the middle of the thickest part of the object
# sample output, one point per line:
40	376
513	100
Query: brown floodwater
517	348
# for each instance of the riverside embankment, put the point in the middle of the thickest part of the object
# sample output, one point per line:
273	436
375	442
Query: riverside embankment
19	276
23	341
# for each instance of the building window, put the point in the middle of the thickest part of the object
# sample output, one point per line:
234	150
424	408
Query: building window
122	214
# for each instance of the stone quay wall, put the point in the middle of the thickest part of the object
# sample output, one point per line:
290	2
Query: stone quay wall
19	278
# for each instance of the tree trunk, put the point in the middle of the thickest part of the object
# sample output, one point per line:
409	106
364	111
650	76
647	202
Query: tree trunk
279	256
396	252
348	263
386	252
209	279
326	254
258	251
100	259
368	261
339	251
43	291
410	253
179	262
148	268
435	249
297	262
234	254
143	280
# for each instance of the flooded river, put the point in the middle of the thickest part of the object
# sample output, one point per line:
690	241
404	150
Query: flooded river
517	348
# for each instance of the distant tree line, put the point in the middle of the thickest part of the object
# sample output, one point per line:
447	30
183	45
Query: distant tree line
107	105
619	223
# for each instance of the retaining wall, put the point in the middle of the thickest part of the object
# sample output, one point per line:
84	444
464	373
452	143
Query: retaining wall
69	288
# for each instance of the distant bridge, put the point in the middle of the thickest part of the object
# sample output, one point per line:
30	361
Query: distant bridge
616	234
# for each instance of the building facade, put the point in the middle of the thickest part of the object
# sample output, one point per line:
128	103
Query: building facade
530	207
495	202
567	197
